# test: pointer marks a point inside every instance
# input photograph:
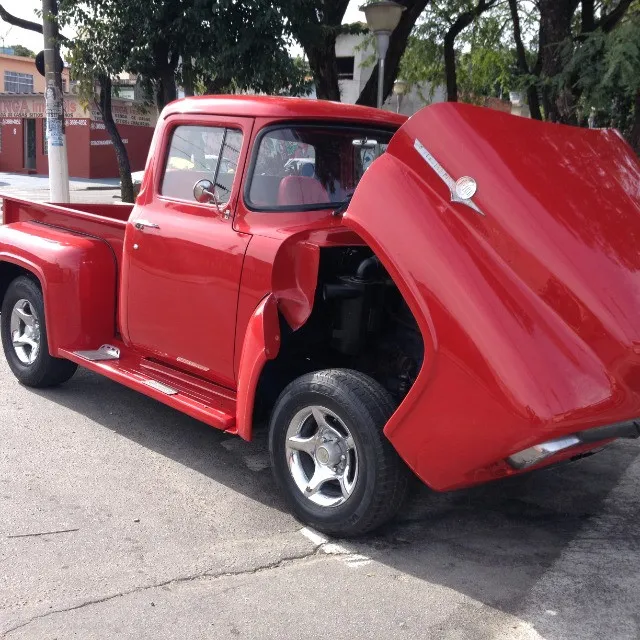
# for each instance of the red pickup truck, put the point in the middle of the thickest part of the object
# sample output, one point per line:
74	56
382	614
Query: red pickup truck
457	294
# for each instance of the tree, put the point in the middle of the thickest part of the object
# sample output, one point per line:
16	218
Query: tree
397	46
316	25
605	67
528	77
19	50
445	50
224	43
561	28
104	105
470	11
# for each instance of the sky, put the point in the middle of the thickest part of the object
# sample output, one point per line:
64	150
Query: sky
26	9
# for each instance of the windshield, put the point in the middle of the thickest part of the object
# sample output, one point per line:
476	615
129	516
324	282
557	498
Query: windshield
308	167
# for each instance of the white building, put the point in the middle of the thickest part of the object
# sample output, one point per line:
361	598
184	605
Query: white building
353	52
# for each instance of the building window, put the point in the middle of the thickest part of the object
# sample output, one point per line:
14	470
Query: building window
18	82
64	85
345	67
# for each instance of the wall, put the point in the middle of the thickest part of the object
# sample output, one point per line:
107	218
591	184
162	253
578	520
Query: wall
89	148
352	45
77	132
102	155
25	65
12	144
347	45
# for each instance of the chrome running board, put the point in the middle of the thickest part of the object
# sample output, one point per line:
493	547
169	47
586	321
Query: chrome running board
159	386
105	352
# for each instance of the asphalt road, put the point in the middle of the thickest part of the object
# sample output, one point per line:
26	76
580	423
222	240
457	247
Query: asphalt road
121	518
167	528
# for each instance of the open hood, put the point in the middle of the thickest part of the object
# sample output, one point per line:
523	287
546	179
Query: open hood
527	291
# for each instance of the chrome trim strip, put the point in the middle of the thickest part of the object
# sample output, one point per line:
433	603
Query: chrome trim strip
444	176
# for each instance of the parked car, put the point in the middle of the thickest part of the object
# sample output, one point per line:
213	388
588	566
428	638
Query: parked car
467	309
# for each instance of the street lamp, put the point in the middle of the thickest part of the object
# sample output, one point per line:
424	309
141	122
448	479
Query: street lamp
382	18
400	88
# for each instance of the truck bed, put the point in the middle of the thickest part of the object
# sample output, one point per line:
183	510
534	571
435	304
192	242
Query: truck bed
106	221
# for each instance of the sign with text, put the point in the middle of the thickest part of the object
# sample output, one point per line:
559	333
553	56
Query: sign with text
124	112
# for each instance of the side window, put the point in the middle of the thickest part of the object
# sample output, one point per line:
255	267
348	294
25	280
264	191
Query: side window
197	153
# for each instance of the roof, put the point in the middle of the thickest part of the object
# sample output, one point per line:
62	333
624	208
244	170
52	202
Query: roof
282	107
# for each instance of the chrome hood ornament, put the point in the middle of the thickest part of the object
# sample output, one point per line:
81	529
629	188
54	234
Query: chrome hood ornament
462	190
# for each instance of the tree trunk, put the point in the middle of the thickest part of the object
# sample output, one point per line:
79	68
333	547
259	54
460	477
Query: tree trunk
188	83
217	86
634	138
459	25
588	19
523	66
555	33
397	45
166	90
165	77
324	67
124	167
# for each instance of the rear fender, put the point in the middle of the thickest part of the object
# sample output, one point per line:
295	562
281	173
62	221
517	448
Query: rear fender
77	274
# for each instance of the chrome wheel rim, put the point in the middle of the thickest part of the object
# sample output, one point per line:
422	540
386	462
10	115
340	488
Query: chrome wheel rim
25	331
321	456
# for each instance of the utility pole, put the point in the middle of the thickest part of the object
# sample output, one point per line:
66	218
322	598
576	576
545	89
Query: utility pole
56	138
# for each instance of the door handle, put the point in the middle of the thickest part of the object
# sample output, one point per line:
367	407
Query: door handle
141	224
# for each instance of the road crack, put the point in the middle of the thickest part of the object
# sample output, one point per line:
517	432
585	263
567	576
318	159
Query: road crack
270	566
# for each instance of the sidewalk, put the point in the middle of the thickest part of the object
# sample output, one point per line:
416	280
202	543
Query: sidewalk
36	188
22	182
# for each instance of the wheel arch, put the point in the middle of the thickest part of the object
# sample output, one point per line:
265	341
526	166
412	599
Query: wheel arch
10	270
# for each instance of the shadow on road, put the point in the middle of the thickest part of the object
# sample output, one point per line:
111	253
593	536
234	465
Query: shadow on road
492	543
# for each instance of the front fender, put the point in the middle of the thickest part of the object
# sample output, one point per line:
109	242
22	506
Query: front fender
261	343
77	274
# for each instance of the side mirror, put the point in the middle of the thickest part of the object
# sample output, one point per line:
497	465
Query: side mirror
204	192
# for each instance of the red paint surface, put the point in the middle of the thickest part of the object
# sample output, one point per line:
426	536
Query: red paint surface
261	343
78	278
180	286
200	400
527	313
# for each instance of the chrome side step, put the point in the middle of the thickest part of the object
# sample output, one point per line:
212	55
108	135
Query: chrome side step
159	386
105	352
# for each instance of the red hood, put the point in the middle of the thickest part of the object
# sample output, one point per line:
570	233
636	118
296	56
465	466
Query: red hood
530	312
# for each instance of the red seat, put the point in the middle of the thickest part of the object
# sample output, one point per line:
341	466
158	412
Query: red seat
300	190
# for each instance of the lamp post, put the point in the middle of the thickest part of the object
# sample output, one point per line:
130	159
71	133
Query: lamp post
382	18
400	88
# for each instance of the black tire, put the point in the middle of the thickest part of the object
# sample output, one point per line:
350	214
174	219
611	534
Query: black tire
364	407
45	370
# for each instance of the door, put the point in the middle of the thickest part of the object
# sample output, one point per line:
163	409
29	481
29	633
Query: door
184	259
29	144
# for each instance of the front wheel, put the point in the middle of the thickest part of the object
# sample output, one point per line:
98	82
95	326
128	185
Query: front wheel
336	468
24	337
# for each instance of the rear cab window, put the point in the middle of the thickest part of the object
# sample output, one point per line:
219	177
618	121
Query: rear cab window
309	167
198	152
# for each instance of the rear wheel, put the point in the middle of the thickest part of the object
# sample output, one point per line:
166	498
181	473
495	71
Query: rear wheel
338	471
24	337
